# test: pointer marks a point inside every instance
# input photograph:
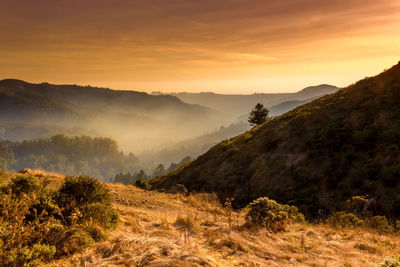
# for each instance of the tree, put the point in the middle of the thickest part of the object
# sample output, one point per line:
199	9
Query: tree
258	115
159	170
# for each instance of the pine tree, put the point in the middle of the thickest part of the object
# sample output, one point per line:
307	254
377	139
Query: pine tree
258	115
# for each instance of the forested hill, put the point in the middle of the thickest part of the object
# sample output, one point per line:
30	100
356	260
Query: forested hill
136	120
316	156
71	101
97	157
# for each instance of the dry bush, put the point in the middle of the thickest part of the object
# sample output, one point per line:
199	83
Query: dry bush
134	222
186	223
219	239
164	223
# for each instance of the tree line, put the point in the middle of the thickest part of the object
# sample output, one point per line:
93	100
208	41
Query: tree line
94	156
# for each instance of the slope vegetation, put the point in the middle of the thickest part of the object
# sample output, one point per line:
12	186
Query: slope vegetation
160	229
315	156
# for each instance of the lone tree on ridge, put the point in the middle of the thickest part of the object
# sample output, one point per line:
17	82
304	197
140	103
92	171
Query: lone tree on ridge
258	115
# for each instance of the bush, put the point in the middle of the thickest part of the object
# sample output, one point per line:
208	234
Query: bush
37	225
357	205
380	224
85	198
83	190
345	220
143	185
272	215
102	214
23	184
391	261
96	232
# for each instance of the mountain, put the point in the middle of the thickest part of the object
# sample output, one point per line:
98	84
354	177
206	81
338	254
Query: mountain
236	105
315	157
136	120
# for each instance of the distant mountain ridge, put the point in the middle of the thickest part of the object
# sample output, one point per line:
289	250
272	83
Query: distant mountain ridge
237	105
316	156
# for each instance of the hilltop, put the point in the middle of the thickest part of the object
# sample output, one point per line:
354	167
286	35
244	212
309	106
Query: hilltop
315	157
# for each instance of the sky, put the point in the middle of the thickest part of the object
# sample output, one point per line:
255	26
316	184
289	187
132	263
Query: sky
225	46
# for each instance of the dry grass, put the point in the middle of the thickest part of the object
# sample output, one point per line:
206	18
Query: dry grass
54	179
161	229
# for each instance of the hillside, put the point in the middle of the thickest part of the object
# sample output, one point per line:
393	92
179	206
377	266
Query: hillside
284	107
194	147
126	116
316	156
159	229
236	105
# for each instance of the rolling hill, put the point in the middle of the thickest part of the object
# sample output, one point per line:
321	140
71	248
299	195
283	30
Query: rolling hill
126	116
315	157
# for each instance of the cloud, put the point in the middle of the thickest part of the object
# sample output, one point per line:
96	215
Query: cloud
154	39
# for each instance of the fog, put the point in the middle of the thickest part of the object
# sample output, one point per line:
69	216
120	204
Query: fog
156	128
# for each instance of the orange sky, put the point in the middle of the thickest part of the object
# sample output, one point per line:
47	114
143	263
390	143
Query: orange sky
226	46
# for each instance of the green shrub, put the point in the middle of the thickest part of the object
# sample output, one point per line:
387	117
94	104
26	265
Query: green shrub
85	198
272	215
380	224
83	190
96	232
23	184
76	240
100	213
391	261
357	205
143	185
345	220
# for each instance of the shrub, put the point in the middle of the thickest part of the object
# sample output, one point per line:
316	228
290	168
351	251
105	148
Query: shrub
76	240
380	224
143	185
391	261
96	232
37	225
345	220
272	215
100	213
83	190
23	184
357	205
85	198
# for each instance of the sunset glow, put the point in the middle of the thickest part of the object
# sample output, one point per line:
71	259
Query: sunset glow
225	46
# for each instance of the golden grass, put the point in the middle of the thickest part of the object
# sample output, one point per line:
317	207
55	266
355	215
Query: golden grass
159	229
185	231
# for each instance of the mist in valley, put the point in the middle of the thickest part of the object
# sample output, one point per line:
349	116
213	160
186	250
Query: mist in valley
160	130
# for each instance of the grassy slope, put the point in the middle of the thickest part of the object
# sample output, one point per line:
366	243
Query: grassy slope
148	235
315	156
